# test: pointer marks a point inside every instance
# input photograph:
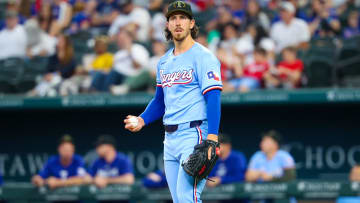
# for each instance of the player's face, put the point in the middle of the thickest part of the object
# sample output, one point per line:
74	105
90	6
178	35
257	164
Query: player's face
268	145
180	26
224	149
66	150
102	150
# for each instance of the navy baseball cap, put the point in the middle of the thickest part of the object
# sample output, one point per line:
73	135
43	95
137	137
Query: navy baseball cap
105	139
66	139
179	6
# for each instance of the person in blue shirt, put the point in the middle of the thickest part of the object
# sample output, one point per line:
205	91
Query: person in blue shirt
230	167
111	167
107	11
271	163
155	179
64	169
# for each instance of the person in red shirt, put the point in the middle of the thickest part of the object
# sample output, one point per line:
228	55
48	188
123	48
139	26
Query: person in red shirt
288	72
252	74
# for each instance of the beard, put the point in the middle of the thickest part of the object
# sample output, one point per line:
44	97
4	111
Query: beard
180	37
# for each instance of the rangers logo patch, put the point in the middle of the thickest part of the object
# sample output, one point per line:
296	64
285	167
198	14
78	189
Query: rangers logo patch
213	75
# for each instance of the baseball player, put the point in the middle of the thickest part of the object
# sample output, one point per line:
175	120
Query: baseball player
188	98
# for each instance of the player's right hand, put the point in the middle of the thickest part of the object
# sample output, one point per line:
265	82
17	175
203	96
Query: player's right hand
129	126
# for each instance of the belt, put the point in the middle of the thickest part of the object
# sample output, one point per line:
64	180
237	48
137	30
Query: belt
173	128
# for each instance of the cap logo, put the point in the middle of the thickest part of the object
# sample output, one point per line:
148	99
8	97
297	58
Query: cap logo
180	4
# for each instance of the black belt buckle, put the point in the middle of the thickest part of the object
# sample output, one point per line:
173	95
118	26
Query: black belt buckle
194	124
171	128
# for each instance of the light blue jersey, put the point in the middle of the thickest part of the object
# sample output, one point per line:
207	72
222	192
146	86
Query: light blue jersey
185	78
275	167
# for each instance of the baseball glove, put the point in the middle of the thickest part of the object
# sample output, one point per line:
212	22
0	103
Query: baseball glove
198	165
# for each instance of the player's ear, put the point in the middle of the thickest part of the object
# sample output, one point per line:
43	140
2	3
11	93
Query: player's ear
192	23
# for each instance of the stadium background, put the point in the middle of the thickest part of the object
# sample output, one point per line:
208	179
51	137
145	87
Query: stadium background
319	125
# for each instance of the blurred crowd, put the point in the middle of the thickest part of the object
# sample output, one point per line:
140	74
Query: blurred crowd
114	45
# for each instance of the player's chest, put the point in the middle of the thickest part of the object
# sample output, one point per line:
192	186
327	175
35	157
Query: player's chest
176	73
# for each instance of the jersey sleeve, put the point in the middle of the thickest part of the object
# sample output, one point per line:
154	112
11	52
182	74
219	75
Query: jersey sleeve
208	73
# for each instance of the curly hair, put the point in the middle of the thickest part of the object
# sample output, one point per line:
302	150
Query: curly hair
194	33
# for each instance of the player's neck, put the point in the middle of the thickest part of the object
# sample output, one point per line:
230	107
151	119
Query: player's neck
183	46
225	155
110	156
270	155
65	162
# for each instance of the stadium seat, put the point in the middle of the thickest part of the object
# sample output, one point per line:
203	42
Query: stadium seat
34	68
82	44
348	72
320	72
11	71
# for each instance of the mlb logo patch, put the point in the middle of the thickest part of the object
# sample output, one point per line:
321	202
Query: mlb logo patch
213	75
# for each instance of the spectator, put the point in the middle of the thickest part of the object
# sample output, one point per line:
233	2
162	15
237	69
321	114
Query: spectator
13	38
290	31
111	167
324	21
81	18
230	167
15	6
104	12
255	16
61	66
129	61
61	16
39	42
251	76
45	17
271	163
228	36
288	72
255	36
136	19
65	169
90	76
155	179
223	17
101	65
355	177
353	25
158	25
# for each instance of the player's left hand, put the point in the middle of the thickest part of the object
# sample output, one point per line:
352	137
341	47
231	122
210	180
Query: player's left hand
214	138
129	124
213	182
